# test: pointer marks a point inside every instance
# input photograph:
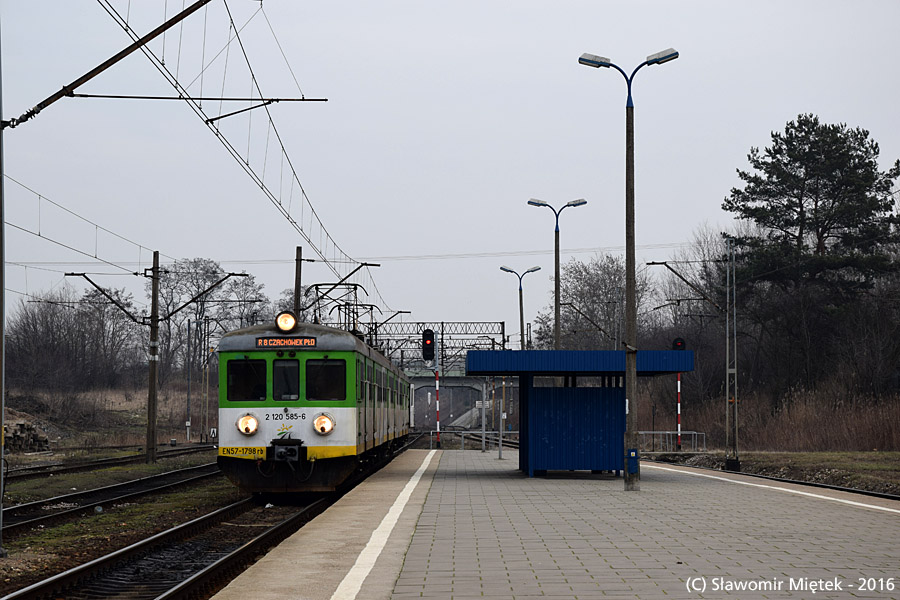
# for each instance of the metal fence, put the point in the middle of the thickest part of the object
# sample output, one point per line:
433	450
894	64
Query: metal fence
488	439
667	441
651	441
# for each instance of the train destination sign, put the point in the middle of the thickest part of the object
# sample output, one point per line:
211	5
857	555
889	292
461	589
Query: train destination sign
286	342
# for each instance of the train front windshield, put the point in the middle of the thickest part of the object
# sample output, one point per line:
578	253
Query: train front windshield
286	379
246	380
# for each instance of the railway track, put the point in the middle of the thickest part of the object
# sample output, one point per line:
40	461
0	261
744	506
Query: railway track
36	471
184	561
42	512
190	560
816	484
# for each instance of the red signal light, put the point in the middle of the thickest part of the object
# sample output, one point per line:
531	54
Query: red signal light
428	344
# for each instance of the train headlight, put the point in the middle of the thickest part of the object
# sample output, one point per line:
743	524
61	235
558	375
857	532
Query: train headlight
248	424
285	321
323	424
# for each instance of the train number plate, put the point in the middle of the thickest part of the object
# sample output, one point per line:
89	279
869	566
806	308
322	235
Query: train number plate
243	452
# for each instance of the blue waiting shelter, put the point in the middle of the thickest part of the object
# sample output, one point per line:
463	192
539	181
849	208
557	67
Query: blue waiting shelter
573	428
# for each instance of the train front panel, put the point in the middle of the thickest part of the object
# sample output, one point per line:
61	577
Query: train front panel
275	399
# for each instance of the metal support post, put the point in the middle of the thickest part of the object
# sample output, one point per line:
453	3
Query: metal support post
437	404
502	421
483	401
678	410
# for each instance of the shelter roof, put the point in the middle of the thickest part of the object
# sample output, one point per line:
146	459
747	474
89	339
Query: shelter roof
575	362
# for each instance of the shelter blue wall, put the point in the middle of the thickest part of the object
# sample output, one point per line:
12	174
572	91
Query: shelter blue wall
575	428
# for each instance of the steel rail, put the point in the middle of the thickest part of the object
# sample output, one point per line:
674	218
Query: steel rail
11	511
61	581
23	473
234	560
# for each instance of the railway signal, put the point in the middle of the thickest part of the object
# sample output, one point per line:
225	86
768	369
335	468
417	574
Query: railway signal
428	344
678	344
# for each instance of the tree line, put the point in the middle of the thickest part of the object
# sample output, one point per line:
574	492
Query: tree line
817	270
64	340
817	257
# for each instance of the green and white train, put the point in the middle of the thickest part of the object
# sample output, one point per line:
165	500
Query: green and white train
302	406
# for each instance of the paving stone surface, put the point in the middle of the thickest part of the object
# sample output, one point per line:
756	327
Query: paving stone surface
487	531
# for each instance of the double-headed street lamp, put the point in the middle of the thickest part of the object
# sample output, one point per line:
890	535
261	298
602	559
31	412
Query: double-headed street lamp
632	476
521	305
556	213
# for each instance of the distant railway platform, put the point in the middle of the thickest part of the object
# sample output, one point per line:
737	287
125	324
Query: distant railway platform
463	524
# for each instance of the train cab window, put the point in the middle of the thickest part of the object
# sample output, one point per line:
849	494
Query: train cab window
286	380
246	380
326	379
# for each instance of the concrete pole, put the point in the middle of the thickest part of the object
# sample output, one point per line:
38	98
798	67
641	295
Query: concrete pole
187	422
556	343
632	480
154	359
521	315
3	553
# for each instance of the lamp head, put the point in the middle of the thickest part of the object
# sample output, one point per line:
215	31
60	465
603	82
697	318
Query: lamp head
532	270
662	57
592	60
536	202
579	202
507	269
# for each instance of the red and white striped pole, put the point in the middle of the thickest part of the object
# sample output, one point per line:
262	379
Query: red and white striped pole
437	404
678	447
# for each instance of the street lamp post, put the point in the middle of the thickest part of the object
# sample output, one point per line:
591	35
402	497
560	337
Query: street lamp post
536	202
521	305
632	474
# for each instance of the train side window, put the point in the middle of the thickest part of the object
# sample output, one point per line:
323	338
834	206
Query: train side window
326	379
285	380
246	380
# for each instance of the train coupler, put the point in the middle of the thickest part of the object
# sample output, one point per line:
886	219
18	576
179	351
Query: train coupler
288	450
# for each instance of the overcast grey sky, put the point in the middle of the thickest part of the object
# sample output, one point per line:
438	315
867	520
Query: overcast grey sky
442	120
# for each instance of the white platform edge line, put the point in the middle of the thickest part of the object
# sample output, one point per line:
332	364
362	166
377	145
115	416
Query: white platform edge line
773	487
353	580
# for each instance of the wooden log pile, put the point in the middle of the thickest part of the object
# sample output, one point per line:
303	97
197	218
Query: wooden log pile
22	436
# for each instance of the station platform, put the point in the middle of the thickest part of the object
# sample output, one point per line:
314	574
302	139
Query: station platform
462	524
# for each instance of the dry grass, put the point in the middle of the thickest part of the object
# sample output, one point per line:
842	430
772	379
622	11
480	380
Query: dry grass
106	417
804	422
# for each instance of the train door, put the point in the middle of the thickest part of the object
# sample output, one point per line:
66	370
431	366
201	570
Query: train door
371	412
360	405
376	407
395	425
367	412
391	406
385	403
405	413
